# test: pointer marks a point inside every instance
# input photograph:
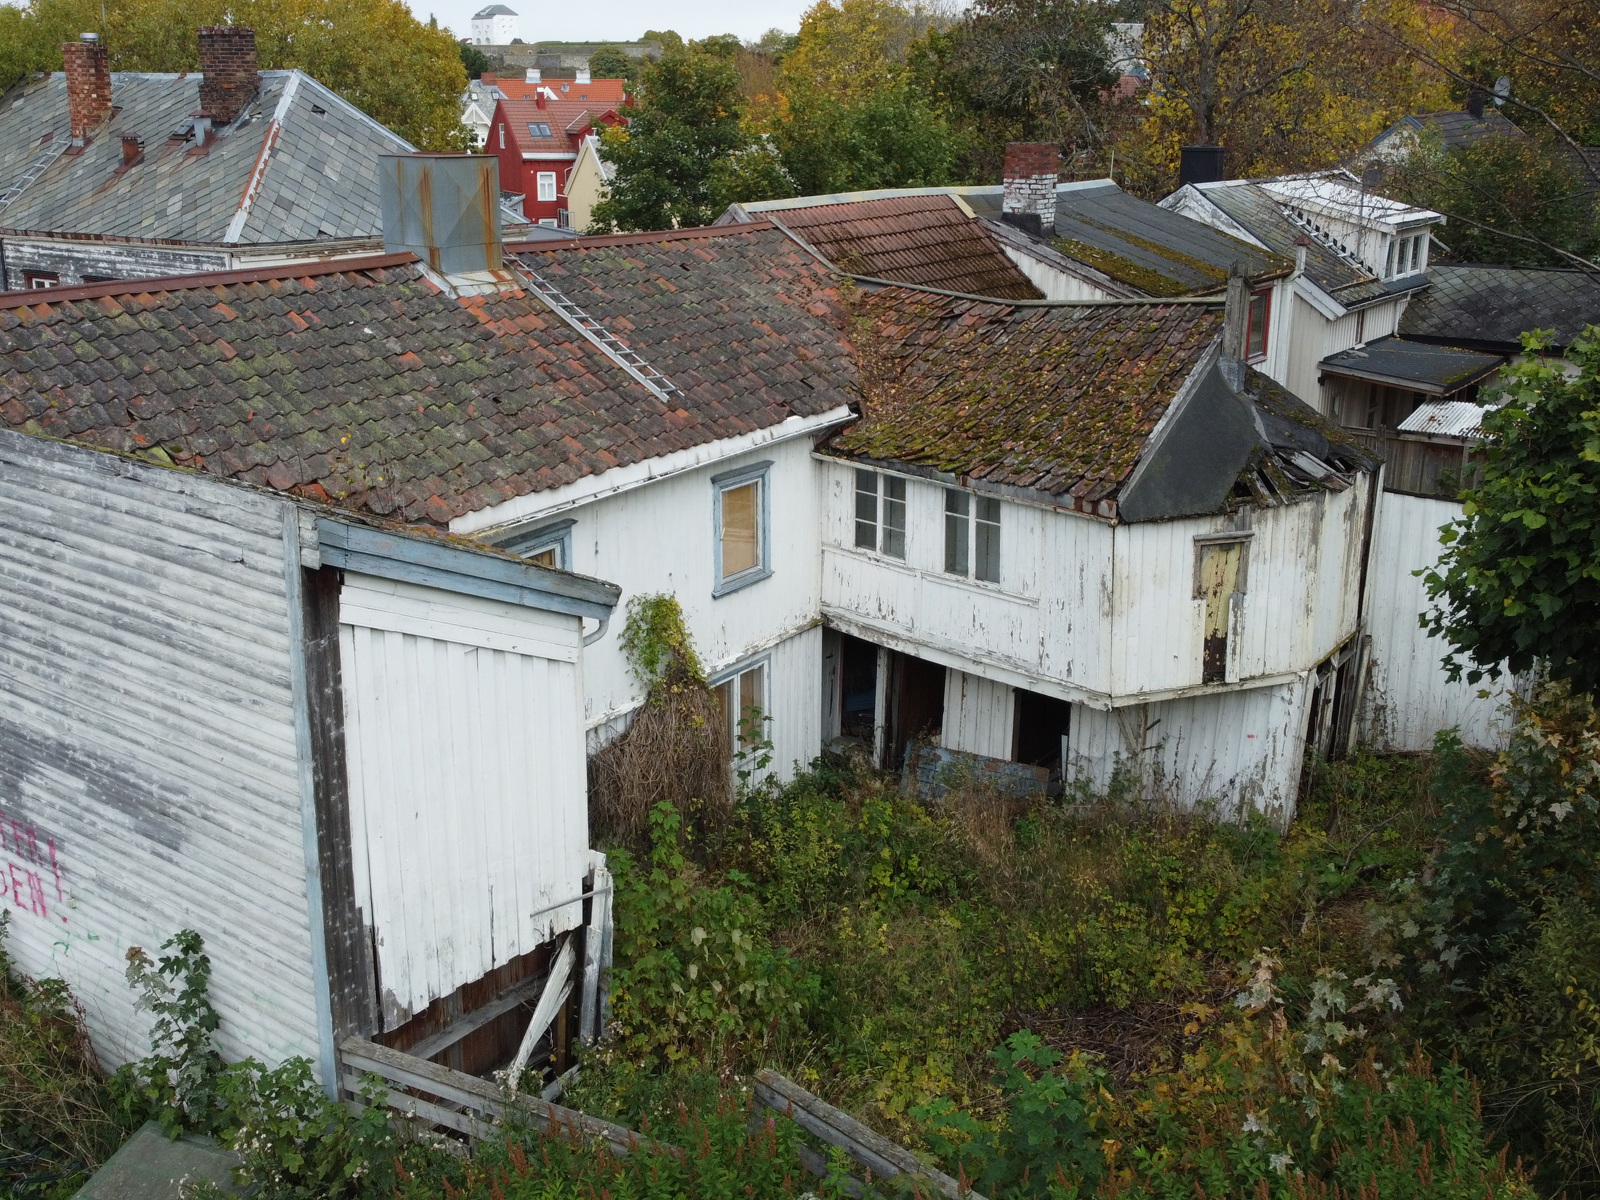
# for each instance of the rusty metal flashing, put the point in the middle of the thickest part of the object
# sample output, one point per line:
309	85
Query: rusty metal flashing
210	279
693	233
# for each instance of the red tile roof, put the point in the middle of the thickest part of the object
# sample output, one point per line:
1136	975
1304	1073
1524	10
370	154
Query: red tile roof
925	240
604	92
566	119
361	384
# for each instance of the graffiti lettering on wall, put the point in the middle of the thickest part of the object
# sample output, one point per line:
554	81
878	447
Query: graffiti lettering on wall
30	870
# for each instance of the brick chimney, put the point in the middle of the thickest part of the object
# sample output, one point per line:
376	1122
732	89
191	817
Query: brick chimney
231	76
88	72
1031	171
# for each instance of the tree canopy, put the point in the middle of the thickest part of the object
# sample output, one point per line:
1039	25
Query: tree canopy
1519	582
374	53
612	62
687	154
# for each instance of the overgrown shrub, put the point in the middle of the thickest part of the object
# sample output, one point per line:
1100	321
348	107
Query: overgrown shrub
676	750
57	1122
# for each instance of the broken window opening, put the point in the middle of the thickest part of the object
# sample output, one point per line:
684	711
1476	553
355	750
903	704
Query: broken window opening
1219	577
1039	730
858	689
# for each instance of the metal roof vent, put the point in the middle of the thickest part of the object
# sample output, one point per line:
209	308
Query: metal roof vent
444	208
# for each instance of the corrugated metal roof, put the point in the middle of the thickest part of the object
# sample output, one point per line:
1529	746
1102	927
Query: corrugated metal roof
1446	418
311	154
1492	307
926	240
1416	365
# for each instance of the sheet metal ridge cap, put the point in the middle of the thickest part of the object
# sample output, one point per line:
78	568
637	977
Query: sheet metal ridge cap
26	298
693	232
476	561
1214	300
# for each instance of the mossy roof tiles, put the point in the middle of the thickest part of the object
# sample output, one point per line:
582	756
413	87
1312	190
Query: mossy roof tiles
1059	400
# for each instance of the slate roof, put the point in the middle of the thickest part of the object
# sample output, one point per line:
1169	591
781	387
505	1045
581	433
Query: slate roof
494	10
1071	401
1454	129
320	179
1261	215
1145	246
360	384
1489	308
1439	370
924	240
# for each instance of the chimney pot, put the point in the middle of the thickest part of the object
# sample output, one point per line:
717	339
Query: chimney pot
1200	164
88	72
1029	179
1475	101
230	74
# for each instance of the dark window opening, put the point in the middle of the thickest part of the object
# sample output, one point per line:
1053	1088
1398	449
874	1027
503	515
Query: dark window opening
858	688
98	278
1041	725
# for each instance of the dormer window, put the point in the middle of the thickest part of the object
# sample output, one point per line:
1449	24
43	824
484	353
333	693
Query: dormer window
539	129
1407	256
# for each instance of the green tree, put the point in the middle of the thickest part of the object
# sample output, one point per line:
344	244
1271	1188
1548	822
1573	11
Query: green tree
374	53
1510	199
852	113
612	62
1519	581
474	60
686	153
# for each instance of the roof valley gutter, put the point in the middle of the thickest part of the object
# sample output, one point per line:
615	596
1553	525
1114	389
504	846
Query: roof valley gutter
268	144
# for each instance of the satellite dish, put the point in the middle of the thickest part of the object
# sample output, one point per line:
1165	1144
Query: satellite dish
1502	89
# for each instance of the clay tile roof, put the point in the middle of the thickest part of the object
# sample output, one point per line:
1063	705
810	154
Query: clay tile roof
1057	400
923	240
360	384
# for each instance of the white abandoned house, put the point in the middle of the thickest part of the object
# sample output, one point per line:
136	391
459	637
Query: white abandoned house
128	175
324	542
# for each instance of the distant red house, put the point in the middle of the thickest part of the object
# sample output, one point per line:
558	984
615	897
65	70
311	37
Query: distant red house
537	141
591	91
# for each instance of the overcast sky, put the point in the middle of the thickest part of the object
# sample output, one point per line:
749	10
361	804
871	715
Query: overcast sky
624	20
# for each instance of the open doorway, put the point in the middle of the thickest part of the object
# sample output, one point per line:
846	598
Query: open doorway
1039	730
858	690
916	710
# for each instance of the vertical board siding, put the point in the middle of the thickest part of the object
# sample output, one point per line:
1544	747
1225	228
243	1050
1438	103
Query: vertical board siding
1408	697
1241	750
147	738
978	715
794	698
468	803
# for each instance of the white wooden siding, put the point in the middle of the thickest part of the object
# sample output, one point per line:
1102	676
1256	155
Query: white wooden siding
147	736
1242	749
659	538
978	715
1055	284
1408	697
468	801
1313	337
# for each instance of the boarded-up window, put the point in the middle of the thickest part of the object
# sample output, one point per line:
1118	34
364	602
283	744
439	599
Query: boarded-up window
741	524
1219	576
740	534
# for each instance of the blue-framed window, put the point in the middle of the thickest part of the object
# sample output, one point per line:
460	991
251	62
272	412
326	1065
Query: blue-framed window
742	524
549	545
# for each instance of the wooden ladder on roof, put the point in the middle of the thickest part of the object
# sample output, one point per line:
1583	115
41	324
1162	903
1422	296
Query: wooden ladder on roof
607	342
37	166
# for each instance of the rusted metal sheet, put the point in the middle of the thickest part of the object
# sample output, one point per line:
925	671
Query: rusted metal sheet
149	771
445	208
1408	698
467	793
